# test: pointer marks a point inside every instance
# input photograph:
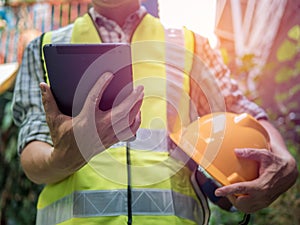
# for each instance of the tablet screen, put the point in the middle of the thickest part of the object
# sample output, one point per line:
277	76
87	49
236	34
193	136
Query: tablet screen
73	69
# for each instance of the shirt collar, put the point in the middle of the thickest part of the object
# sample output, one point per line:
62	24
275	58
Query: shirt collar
133	18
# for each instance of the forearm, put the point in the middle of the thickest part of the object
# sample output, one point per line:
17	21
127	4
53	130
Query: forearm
38	166
279	148
277	143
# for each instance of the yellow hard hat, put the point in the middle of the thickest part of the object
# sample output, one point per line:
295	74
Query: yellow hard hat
210	141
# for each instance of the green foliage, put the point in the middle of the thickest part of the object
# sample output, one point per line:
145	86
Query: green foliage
21	1
289	73
286	51
247	63
18	194
289	47
222	217
294	33
285	74
281	97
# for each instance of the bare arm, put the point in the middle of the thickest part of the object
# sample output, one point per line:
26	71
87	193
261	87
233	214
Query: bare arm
36	164
75	140
277	173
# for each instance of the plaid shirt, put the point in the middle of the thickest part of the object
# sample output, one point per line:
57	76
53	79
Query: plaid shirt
28	111
110	31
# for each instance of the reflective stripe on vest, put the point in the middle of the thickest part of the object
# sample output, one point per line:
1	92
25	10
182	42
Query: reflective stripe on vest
113	203
148	140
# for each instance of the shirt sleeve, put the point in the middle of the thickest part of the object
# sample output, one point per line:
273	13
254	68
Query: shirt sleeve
27	107
218	81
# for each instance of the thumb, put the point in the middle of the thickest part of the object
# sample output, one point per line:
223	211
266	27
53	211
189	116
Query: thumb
49	103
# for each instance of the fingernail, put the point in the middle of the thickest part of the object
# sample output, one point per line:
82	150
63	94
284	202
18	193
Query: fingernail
107	75
218	193
139	88
239	151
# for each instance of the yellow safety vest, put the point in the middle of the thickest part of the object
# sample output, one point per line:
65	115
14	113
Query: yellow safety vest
158	186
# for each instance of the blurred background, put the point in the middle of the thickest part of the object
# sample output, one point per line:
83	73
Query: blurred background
259	41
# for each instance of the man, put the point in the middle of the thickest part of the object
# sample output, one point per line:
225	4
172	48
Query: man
99	177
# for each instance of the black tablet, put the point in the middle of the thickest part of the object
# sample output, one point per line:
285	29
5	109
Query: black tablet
73	69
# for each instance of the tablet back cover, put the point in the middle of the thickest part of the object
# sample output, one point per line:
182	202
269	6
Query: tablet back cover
74	69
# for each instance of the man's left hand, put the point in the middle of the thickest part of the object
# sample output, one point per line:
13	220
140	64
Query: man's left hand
276	175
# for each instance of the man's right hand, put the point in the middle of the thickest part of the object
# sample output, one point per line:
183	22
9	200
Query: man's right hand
76	140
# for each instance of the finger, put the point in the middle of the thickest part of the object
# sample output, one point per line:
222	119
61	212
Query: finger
135	111
49	103
136	96
136	123
241	188
124	114
93	100
253	154
130	132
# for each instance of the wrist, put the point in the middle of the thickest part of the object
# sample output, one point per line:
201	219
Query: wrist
64	165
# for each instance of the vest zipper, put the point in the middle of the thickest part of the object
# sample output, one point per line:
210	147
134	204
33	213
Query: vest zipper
129	193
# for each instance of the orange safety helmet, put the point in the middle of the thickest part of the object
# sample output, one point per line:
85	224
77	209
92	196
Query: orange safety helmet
210	141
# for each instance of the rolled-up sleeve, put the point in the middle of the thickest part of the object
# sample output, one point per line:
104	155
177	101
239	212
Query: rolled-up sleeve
27	107
234	100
